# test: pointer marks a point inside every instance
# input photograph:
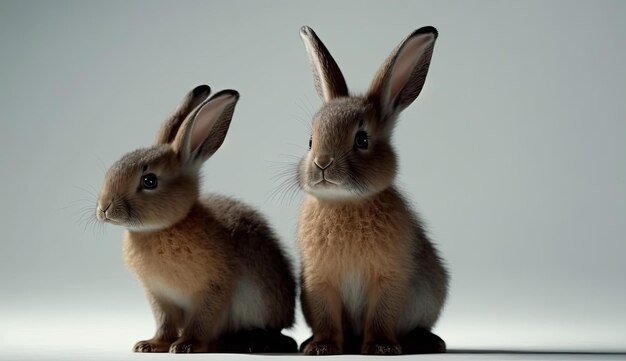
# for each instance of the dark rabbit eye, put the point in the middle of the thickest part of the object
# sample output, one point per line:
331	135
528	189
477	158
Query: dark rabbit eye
310	142
149	181
360	140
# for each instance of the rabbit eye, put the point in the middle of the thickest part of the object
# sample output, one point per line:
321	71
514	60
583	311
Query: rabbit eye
149	181
310	142
360	140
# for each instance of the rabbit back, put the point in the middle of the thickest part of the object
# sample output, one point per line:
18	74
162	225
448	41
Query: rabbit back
265	275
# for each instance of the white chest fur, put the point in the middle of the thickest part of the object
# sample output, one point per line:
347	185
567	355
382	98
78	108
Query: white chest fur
418	310
247	308
354	297
171	293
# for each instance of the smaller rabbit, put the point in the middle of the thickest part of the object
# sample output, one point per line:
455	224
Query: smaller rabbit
372	281
213	270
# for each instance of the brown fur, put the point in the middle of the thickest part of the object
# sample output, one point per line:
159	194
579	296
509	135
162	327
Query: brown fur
212	268
371	278
205	257
216	250
371	237
324	70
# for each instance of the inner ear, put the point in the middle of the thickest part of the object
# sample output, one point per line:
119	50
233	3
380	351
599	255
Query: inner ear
328	79
405	64
205	119
167	132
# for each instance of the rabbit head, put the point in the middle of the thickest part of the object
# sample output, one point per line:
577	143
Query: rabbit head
350	152
153	188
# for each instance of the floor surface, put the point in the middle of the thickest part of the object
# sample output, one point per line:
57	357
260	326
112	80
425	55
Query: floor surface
85	354
75	336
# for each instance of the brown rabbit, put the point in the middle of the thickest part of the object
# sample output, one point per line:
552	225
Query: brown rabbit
372	281
212	268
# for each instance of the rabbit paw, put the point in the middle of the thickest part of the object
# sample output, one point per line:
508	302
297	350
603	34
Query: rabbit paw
188	346
151	346
381	348
322	348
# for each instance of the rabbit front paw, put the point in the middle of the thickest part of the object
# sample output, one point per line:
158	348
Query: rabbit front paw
152	346
381	348
322	348
189	346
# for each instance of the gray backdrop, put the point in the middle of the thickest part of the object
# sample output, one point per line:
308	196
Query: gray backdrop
514	153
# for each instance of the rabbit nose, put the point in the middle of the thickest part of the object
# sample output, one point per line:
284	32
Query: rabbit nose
323	162
104	209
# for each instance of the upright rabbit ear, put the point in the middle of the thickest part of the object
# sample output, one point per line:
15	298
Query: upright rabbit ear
329	81
401	78
204	130
168	130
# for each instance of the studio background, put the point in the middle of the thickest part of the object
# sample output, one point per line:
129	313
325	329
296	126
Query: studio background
514	153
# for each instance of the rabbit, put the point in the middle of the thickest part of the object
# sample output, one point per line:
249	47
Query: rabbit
372	282
212	268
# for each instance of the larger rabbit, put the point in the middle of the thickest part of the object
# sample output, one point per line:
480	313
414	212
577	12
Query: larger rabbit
372	281
212	268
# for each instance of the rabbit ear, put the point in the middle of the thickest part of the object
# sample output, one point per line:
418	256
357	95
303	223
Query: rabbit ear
204	130
168	130
329	81
401	78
